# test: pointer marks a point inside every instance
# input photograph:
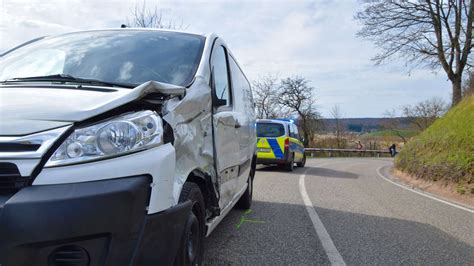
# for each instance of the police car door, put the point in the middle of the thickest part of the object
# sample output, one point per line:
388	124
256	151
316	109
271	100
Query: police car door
226	141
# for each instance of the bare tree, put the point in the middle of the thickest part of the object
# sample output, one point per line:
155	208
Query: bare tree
144	17
429	33
423	114
468	87
265	97
393	123
338	125
297	96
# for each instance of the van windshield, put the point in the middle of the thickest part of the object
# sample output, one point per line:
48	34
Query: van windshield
120	56
270	130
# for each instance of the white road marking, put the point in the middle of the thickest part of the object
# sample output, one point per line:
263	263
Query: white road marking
421	193
331	251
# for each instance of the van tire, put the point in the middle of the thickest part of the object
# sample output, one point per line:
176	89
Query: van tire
291	164
245	201
303	161
192	243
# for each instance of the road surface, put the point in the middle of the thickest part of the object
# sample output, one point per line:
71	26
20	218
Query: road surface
341	211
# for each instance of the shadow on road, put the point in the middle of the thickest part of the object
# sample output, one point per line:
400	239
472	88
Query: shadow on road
288	237
314	171
327	172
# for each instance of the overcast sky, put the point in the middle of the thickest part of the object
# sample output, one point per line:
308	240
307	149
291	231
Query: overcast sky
315	40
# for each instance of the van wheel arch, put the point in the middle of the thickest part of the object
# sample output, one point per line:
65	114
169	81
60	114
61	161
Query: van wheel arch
204	182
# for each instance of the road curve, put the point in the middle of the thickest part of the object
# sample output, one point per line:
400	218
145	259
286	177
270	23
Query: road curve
367	219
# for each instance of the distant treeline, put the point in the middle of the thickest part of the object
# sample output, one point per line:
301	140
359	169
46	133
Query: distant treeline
362	125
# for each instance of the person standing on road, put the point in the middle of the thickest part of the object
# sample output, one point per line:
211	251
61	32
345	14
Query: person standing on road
393	150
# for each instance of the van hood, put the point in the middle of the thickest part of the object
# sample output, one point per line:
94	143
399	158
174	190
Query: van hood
29	109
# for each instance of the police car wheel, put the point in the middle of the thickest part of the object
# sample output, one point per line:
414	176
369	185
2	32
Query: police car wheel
191	249
303	162
290	165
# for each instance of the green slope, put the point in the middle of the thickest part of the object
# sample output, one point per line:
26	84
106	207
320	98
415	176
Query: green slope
445	151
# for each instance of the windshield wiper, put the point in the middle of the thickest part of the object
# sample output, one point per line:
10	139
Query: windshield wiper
71	79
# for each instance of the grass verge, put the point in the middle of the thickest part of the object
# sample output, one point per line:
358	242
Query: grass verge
444	151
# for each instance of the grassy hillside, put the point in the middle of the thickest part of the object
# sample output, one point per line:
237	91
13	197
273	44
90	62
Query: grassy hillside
445	151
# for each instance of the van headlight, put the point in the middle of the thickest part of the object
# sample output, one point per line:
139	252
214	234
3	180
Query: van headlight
128	133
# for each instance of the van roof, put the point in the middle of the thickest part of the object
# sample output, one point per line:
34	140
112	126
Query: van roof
139	29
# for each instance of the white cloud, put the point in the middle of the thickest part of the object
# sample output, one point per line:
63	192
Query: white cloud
313	39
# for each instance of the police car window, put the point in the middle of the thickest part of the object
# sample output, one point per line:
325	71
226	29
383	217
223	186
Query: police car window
292	130
297	133
221	79
270	130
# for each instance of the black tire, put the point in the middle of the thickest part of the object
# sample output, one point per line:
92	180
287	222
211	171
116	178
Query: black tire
291	164
303	161
245	201
192	243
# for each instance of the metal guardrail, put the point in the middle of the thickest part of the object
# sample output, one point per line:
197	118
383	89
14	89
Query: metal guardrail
331	151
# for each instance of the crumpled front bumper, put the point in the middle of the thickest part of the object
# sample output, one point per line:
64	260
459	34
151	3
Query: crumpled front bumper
90	223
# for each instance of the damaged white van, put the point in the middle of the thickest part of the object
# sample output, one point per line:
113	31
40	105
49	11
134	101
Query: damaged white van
121	147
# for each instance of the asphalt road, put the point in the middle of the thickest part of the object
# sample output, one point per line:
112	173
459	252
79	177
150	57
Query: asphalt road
363	220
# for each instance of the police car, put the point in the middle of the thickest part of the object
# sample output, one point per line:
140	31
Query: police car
279	142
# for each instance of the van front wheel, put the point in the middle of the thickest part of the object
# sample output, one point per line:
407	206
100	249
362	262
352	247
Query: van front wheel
191	249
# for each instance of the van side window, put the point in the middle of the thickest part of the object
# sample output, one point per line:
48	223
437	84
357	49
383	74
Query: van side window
241	84
238	79
221	75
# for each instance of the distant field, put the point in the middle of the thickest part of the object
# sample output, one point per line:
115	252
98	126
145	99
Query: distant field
407	133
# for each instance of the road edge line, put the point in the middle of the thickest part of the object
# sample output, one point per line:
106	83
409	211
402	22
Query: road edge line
331	251
421	193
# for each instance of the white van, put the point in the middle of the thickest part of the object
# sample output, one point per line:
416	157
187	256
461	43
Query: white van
121	147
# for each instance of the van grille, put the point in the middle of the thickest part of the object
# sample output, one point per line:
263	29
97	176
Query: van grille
10	178
18	147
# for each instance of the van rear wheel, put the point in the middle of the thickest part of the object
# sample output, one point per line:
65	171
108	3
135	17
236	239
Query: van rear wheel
192	243
245	200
